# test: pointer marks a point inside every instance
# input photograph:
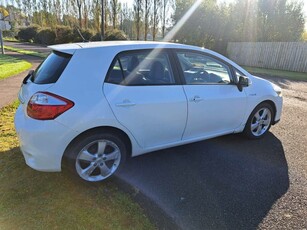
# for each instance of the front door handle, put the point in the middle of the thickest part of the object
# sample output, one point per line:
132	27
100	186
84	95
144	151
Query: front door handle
125	103
196	99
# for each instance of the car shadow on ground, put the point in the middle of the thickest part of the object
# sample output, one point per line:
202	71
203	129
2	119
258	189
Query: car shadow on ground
224	183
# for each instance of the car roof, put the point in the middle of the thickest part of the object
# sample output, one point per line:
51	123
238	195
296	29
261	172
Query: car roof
70	48
125	45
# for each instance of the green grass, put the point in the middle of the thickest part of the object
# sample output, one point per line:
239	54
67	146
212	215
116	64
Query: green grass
9	39
38	200
10	66
277	73
27	52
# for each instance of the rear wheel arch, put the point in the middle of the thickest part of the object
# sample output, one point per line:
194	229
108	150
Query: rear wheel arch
102	129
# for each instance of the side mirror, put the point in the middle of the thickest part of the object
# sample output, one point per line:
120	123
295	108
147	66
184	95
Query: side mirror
24	81
243	82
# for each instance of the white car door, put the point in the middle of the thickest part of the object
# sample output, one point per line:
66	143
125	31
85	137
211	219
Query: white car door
215	105
143	94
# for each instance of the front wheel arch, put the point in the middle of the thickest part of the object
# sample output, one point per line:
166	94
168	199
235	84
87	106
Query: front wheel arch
272	104
264	104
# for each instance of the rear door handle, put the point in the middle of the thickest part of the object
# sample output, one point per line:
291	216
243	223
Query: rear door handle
196	99
125	103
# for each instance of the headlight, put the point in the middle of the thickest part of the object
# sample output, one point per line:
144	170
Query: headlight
277	89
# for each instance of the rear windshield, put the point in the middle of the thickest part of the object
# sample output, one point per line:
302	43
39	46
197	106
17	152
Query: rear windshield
51	68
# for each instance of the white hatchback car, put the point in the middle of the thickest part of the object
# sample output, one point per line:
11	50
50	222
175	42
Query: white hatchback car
97	103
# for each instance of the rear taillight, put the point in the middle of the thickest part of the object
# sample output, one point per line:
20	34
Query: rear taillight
47	106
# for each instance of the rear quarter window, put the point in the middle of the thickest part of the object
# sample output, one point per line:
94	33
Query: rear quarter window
50	70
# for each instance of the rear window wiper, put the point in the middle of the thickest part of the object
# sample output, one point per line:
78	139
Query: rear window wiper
24	81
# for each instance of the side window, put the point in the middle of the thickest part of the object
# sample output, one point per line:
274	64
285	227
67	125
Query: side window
142	68
202	69
116	75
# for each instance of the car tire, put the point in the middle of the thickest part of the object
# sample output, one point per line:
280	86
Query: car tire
97	156
259	122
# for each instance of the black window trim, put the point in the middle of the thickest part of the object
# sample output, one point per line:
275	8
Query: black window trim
167	51
234	70
180	70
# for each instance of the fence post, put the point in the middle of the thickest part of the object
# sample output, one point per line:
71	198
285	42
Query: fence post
1	41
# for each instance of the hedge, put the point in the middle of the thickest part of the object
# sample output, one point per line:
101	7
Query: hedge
28	34
115	35
64	34
45	36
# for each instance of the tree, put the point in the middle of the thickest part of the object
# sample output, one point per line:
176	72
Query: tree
165	4
106	15
85	11
95	12
128	22
79	5
147	8
294	21
102	19
137	10
58	9
280	20
155	18
212	24
115	8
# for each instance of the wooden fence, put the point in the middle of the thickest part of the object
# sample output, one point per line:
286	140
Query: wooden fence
291	56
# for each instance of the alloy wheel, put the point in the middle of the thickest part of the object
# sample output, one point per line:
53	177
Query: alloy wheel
98	160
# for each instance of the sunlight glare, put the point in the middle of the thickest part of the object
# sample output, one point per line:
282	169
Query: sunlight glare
170	35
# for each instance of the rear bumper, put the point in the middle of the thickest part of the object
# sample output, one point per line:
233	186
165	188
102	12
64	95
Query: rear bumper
42	142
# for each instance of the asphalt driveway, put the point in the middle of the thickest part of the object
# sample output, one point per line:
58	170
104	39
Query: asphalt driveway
28	46
231	182
224	183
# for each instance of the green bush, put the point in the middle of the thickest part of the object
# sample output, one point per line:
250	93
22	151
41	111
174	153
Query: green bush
115	35
45	36
87	34
63	34
9	33
96	37
28	34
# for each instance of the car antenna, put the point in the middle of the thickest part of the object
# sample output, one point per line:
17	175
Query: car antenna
84	40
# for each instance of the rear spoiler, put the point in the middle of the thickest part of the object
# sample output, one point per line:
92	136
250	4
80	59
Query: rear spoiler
65	48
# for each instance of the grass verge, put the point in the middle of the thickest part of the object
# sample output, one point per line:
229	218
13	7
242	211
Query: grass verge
10	39
27	52
37	200
277	73
10	66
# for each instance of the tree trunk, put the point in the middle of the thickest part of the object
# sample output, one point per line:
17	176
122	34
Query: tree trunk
146	19
102	20
105	16
164	19
79	4
154	20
